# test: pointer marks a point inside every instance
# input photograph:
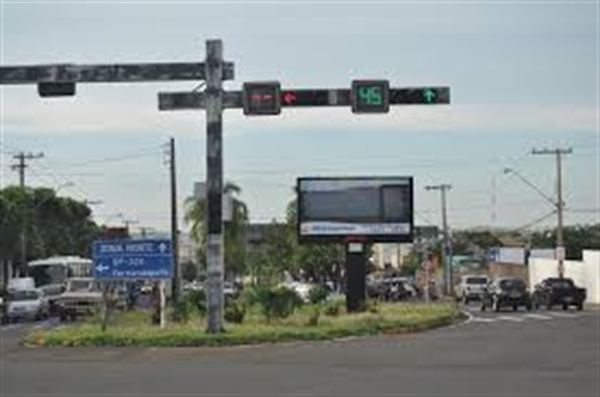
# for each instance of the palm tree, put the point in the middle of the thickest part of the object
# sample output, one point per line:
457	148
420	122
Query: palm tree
196	215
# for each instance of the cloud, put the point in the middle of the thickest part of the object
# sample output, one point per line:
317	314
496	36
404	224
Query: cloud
133	117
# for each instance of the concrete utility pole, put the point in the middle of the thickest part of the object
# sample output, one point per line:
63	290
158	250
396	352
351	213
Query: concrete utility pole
214	183
21	166
175	285
446	256
560	205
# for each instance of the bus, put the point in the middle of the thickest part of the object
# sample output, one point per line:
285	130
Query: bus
51	274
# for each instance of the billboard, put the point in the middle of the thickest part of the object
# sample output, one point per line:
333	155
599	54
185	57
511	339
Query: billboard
376	209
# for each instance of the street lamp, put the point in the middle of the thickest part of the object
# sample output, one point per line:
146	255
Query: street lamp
531	185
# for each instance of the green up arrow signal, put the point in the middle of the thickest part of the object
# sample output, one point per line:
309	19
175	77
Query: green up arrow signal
429	95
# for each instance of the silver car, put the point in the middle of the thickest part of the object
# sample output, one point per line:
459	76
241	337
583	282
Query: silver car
26	304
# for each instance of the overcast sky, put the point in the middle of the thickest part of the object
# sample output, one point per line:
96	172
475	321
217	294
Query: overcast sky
521	76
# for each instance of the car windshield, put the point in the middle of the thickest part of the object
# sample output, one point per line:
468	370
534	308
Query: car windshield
23	295
477	280
558	283
512	284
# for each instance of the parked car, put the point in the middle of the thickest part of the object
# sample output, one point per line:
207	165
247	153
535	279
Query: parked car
83	296
471	288
26	304
506	292
558	291
390	289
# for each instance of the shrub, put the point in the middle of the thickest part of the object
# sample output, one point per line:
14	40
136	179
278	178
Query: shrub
197	300
317	294
333	308
182	310
235	311
372	306
315	314
275	302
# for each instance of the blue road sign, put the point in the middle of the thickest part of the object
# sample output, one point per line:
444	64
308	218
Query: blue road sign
133	259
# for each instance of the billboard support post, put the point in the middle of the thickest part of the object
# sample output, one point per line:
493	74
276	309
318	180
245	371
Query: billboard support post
355	277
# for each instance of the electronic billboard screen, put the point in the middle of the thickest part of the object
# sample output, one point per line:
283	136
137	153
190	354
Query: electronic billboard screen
376	209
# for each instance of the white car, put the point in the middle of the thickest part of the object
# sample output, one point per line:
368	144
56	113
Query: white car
471	288
26	304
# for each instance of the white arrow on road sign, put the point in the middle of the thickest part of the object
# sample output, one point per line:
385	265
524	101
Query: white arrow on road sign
162	247
101	268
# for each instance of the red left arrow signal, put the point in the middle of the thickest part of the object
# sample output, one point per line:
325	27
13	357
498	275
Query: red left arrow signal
289	98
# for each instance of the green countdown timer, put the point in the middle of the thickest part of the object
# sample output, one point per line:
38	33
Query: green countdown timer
370	96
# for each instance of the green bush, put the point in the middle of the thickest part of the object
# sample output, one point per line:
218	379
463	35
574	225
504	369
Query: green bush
333	308
317	294
372	306
315	314
275	302
182	310
235	311
197	300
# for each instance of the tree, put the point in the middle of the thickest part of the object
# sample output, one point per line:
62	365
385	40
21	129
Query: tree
196	214
576	238
317	262
54	225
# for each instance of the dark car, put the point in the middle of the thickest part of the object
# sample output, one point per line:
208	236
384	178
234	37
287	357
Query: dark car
558	291
506	292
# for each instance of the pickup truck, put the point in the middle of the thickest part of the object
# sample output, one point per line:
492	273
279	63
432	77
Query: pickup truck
558	291
83	296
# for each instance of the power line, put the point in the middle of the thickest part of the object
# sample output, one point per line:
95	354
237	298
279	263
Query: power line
114	159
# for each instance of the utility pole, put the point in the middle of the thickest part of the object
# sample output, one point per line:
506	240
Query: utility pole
20	166
446	257
175	285
214	183
560	205
128	222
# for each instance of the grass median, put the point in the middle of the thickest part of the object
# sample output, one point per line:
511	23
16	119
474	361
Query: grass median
134	329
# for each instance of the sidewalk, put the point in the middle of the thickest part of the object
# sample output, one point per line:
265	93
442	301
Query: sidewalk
595	307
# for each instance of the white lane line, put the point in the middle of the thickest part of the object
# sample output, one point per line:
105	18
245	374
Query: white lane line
483	320
511	318
538	316
563	315
10	326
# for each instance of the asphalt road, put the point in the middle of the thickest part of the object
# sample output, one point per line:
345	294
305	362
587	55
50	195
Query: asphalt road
506	354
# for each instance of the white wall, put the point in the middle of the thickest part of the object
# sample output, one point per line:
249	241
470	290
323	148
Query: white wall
592	259
585	274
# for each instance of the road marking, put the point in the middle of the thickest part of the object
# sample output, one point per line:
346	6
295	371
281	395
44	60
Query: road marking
563	315
511	318
483	320
538	316
11	326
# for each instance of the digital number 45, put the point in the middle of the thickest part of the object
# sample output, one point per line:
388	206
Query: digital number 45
370	96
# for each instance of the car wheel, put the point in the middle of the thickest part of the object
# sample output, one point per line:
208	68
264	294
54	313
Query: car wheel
565	306
549	306
515	308
529	306
580	306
